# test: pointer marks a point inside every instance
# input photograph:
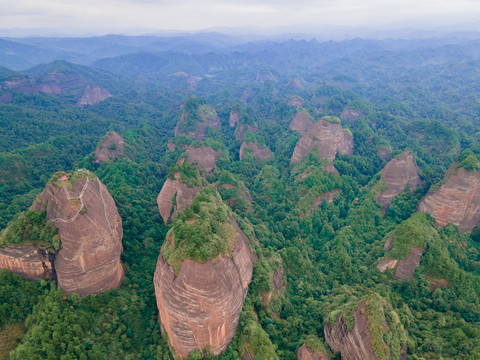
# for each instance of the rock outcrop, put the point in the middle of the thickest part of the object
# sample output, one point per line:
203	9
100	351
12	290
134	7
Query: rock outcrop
456	201
306	353
404	268
399	173
233	119
302	122
242	129
195	125
201	304
296	101
257	152
90	229
328	137
111	146
53	84
174	197
366	339
28	262
204	156
92	95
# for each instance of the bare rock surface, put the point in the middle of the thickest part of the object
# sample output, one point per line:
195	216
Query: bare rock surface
52	84
201	305
27	261
405	268
241	130
305	353
383	153
296	101
90	230
399	173
355	344
257	152
302	122
233	120
328	137
387	263
204	156
183	194
113	145
92	95
208	117
456	201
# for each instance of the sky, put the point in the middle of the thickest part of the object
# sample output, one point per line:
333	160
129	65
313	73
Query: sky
122	16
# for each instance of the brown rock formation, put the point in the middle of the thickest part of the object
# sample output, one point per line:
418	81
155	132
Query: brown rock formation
399	173
296	101
184	197
350	114
330	196
457	201
383	153
257	152
27	261
208	117
241	130
90	230
92	95
302	122
204	156
112	146
404	268
201	305
305	353
233	120
328	137
52	84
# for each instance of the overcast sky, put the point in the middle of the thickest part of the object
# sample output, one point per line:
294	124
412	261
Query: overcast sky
91	15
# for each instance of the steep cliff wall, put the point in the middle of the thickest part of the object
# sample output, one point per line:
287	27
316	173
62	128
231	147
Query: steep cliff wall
27	261
195	123
256	151
302	122
306	353
328	137
201	305
92	95
399	173
90	229
204	156
456	201
109	147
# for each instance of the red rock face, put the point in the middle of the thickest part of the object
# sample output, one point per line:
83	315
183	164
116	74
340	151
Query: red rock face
457	201
92	95
296	101
242	129
356	344
384	153
329	138
257	152
52	84
201	305
405	268
111	147
302	122
305	353
351	114
27	261
208	118
90	230
184	198
204	156
398	174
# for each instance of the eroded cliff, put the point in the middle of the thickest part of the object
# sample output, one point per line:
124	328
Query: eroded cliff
456	201
328	137
28	261
200	288
90	229
110	146
398	174
92	95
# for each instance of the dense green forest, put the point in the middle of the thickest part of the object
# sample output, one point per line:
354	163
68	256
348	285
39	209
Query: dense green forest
421	95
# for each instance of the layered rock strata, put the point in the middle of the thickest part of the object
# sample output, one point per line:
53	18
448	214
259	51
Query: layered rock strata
456	201
174	197
28	262
90	230
207	117
113	145
200	306
399	173
328	137
302	122
92	95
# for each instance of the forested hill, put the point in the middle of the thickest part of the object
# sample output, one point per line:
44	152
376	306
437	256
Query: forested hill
346	172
